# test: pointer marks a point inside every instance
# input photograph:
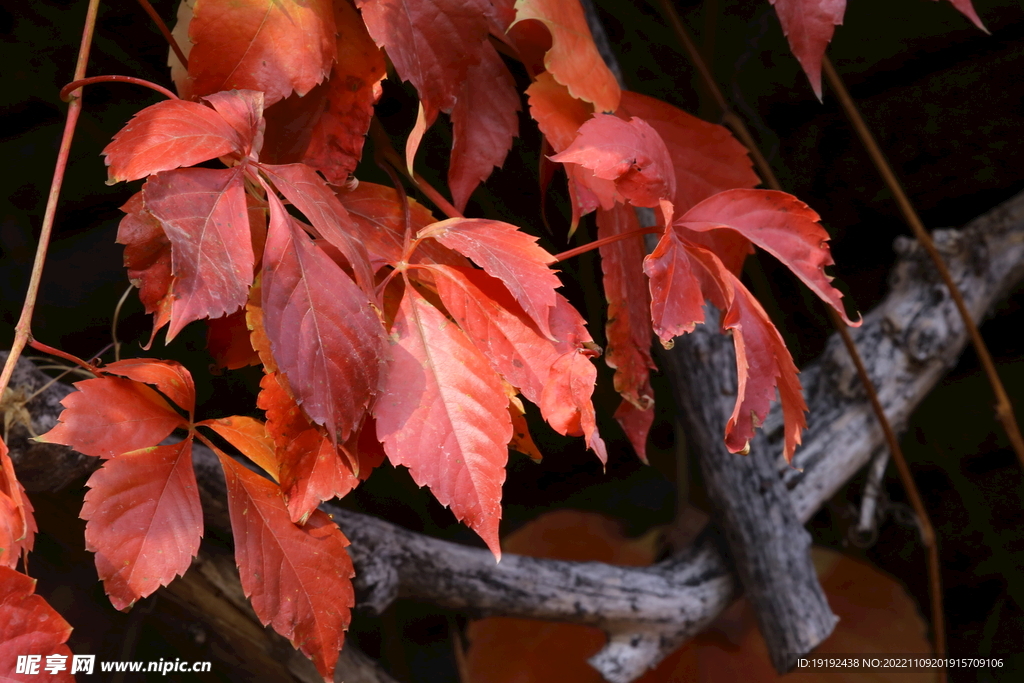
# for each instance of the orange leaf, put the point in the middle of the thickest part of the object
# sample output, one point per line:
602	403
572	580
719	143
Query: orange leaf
250	437
573	59
310	467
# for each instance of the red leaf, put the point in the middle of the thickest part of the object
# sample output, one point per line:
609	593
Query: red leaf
498	327
168	135
147	256
573	59
677	297
967	9
324	335
250	437
565	402
336	143
172	378
307	191
762	363
559	116
432	44
204	214
275	46
227	340
17	523
29	626
631	154
443	415
110	415
298	578
809	25
243	110
310	469
368	452
682	276
636	423
484	121
378	220
145	530
629	320
780	224
706	157
510	255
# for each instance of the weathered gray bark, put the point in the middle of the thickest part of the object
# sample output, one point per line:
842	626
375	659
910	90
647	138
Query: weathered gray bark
908	342
767	542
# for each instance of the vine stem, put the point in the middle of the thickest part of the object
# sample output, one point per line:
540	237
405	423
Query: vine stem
1004	409
23	330
166	32
590	246
380	139
734	122
65	92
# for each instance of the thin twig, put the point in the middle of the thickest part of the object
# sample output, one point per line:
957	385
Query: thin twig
23	330
590	246
113	322
168	36
380	139
927	531
1004	409
65	92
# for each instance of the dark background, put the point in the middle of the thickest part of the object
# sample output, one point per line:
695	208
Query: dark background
945	102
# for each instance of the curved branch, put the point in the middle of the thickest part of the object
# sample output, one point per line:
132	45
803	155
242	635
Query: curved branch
910	340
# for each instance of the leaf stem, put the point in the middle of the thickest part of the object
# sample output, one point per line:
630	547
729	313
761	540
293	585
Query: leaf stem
1004	409
168	36
590	246
381	140
39	346
66	91
23	329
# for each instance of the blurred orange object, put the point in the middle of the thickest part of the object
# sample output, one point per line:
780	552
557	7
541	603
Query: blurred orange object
875	616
